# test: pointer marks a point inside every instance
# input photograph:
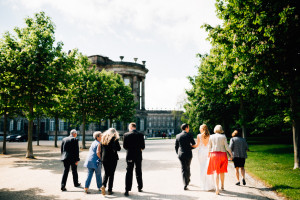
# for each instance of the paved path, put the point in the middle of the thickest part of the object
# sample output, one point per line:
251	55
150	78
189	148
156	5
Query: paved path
40	178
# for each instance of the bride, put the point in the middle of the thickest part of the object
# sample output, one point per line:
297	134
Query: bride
206	181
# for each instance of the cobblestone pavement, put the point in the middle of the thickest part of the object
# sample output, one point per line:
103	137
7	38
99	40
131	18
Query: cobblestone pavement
39	178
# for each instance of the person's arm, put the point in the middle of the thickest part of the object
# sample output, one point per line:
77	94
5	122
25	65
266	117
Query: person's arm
176	146
117	145
209	146
198	142
77	151
142	142
231	144
99	151
227	148
125	145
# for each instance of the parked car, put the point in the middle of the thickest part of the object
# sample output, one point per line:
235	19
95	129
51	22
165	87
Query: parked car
11	138
24	138
21	138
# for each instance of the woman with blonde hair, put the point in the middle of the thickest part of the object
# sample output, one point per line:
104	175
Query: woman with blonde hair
109	145
218	162
206	181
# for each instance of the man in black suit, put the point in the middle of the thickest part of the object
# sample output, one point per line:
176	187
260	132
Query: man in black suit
183	147
70	157
134	143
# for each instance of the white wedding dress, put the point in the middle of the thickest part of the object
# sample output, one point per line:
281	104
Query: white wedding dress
206	181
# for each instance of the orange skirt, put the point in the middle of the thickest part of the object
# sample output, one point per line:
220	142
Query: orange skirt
218	163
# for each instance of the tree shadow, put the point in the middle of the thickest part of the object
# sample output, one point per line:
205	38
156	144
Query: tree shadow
31	193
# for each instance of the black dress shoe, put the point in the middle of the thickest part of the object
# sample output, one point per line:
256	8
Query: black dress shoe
78	185
63	189
109	192
238	183
186	188
140	190
126	194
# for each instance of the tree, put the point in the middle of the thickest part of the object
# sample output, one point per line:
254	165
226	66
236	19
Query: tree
8	104
36	76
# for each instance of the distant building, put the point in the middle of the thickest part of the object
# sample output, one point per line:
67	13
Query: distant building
152	123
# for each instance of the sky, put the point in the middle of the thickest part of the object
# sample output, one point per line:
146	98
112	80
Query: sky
164	33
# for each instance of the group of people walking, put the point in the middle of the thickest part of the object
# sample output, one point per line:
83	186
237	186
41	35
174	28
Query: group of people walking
103	152
212	156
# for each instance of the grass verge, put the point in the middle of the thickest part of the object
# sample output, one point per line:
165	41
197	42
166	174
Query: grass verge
273	163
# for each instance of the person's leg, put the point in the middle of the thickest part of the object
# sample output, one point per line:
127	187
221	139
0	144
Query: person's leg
188	168
217	182
112	174
106	173
88	178
184	173
65	175
237	174
75	174
243	175
138	174
222	176
128	177
98	176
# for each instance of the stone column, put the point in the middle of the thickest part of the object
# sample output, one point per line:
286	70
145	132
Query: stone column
143	94
135	90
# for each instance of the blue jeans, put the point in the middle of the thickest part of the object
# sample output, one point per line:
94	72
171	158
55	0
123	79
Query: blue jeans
90	175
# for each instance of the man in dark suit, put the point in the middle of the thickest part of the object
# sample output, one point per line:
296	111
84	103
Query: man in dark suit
70	157
183	147
134	143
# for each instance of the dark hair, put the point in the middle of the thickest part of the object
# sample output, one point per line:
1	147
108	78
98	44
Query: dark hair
184	126
237	132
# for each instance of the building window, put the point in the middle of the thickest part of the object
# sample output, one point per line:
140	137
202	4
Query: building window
61	125
11	125
127	81
19	126
52	124
142	125
149	124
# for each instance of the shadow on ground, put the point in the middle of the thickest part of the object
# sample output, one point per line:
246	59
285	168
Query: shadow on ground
31	193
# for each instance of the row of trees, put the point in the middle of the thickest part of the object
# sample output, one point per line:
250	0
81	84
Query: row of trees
37	78
251	77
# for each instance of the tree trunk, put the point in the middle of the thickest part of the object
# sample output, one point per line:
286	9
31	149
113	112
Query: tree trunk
295	128
83	131
38	132
29	153
4	133
243	118
56	131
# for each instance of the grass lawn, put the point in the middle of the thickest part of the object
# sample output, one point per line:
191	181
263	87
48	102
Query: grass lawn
273	163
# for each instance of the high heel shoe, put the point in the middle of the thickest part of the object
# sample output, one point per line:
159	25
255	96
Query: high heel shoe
217	192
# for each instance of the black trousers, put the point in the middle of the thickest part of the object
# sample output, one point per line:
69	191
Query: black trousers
129	174
186	170
109	169
67	165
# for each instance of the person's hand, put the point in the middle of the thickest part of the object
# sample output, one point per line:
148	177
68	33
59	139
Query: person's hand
231	158
77	163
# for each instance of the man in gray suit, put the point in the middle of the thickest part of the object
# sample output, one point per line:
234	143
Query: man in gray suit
70	157
183	147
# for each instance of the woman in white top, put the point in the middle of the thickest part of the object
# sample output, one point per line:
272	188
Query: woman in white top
206	181
218	158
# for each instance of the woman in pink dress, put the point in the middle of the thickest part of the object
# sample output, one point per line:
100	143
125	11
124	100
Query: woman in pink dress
217	146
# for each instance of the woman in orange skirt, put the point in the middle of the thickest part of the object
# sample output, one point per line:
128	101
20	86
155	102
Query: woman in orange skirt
217	146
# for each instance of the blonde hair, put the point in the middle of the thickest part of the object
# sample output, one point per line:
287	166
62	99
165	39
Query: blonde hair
108	135
218	129
205	129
